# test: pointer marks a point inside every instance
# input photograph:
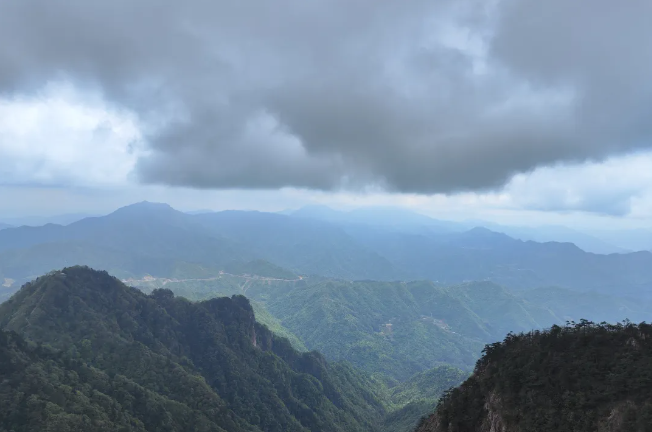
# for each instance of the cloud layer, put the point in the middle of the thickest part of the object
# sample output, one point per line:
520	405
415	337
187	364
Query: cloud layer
61	138
419	96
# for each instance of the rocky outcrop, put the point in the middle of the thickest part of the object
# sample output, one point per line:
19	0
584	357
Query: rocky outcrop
583	377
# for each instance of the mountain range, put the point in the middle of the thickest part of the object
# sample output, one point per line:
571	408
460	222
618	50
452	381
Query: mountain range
405	302
590	240
61	219
408	343
80	350
154	239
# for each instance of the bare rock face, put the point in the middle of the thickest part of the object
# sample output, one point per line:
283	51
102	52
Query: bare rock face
493	421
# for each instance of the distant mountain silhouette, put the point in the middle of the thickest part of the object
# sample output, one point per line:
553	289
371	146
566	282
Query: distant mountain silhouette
480	254
304	246
150	238
387	217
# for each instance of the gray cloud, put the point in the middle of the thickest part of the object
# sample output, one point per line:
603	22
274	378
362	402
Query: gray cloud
415	96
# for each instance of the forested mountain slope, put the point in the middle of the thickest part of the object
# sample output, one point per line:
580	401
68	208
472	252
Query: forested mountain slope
400	329
416	397
377	326
392	329
114	358
582	377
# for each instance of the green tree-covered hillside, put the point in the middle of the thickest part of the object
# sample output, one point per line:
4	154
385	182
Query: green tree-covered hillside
109	356
583	377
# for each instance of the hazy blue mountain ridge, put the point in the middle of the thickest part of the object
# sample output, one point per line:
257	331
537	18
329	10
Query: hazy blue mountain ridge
148	238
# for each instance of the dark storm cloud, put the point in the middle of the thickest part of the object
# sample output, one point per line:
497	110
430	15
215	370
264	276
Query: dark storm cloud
416	96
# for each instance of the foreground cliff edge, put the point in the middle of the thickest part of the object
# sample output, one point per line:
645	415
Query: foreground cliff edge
80	351
581	377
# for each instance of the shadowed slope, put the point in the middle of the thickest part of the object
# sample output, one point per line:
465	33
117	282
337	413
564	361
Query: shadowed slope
211	357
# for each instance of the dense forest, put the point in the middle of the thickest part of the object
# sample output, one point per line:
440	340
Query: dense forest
325	216
399	329
582	377
82	351
413	398
199	342
395	330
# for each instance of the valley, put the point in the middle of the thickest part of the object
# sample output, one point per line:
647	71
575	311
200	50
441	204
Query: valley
325	216
161	282
357	294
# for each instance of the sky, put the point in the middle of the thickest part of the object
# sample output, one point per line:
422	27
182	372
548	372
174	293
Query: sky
514	111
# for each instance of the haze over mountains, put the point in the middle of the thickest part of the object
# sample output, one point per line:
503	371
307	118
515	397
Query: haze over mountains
590	240
154	239
483	171
62	219
596	241
406	301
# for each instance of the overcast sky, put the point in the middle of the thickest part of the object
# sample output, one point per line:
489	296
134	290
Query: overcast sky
510	110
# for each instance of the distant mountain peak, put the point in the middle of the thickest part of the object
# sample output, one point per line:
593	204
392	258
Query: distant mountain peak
145	208
145	205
